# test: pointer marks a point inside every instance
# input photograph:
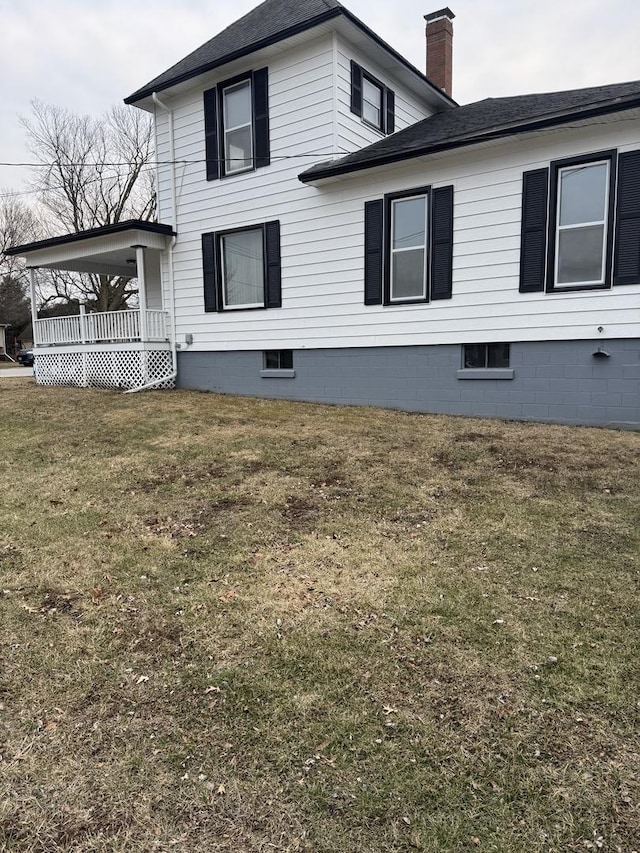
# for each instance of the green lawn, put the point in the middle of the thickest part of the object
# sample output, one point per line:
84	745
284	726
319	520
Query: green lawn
240	625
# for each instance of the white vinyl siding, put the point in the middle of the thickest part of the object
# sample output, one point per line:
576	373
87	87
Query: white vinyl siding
354	132
322	228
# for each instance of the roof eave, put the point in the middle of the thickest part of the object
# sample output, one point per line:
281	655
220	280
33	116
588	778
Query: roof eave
102	231
311	175
148	90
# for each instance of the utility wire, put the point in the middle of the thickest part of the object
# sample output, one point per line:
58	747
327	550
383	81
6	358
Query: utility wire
179	162
154	165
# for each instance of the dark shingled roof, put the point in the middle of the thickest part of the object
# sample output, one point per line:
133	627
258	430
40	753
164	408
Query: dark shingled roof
101	231
269	23
492	118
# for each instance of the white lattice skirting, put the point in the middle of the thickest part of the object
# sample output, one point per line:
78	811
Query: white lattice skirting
123	369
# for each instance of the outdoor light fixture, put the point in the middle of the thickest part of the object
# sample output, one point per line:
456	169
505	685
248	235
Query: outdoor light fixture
601	353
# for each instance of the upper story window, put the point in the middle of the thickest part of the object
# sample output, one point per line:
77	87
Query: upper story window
236	122
408	247
581	224
372	100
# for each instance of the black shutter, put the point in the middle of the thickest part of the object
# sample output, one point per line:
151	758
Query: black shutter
626	268
373	242
391	111
273	296
260	91
533	235
441	242
211	134
210	273
356	88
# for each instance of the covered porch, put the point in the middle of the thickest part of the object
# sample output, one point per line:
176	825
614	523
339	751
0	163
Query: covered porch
128	349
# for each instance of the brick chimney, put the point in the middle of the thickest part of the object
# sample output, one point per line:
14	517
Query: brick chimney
440	48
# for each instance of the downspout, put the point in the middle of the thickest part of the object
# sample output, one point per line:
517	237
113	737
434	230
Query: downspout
174	205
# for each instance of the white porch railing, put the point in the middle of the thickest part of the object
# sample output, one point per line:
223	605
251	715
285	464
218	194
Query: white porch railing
108	326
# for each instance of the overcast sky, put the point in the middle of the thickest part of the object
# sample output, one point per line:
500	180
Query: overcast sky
86	55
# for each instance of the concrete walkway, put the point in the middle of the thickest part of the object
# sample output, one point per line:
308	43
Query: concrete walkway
9	372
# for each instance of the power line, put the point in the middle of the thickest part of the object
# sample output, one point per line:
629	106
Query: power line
155	163
199	161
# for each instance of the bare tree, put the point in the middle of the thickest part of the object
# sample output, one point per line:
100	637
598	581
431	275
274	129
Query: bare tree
92	172
18	225
15	308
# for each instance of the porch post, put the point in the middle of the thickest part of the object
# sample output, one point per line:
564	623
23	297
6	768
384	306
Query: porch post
142	290
34	307
83	325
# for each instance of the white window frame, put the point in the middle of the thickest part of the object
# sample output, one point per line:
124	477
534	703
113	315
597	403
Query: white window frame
560	228
424	246
223	269
380	89
226	129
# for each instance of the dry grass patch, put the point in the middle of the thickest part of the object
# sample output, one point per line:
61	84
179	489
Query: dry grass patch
241	625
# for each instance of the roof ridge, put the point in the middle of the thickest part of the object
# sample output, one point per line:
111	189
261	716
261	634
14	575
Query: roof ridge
270	22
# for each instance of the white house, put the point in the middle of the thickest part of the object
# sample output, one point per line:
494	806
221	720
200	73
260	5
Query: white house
338	229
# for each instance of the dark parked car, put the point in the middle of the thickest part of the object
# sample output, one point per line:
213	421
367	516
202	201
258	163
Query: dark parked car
25	356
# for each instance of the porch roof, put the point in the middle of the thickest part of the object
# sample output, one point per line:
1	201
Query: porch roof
109	250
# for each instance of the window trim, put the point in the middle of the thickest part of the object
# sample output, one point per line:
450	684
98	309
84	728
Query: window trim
222	132
381	127
556	167
272	259
215	132
389	201
225	87
387	101
219	236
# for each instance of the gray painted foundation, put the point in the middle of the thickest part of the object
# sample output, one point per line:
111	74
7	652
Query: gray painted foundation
555	381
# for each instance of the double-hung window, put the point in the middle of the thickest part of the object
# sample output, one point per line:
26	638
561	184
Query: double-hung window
237	122
568	214
408	247
374	102
236	125
409	232
581	224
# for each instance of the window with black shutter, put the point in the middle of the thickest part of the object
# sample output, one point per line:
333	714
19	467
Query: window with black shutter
371	100
408	243
242	268
569	213
236	114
